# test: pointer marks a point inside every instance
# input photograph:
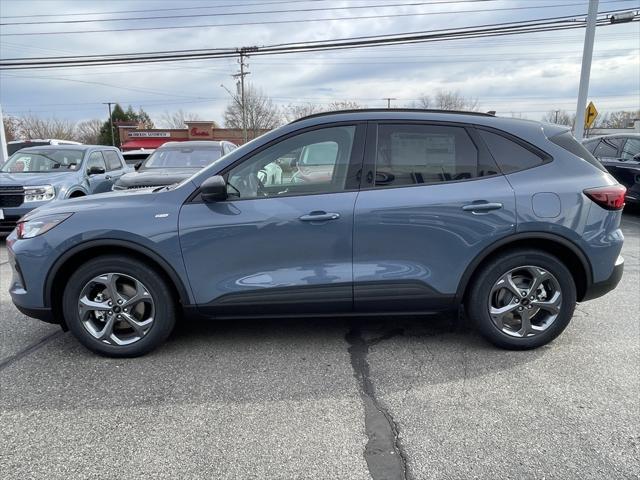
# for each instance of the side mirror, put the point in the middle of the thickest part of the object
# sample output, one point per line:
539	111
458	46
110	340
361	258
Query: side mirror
95	170
636	157
137	166
214	189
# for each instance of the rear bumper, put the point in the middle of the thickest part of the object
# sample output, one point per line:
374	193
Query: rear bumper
599	289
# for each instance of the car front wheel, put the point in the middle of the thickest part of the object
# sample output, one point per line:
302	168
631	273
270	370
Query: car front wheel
118	306
522	299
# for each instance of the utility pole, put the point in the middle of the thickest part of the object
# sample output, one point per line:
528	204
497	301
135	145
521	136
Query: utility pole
113	141
556	120
587	54
243	72
388	99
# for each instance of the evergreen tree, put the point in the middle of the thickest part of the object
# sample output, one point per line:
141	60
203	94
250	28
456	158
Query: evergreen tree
120	115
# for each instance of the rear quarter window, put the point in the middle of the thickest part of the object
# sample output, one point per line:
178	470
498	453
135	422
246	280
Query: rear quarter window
508	154
570	144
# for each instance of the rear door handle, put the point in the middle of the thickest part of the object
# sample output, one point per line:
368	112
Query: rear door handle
482	207
319	217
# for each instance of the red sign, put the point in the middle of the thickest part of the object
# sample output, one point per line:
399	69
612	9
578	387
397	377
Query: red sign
194	132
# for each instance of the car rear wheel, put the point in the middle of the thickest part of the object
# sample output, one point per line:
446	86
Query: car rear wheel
118	306
522	299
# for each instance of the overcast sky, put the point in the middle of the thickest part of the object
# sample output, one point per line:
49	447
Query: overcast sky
524	74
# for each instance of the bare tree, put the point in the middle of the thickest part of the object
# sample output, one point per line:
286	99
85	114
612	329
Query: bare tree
261	113
293	112
32	126
11	128
559	117
447	100
88	131
619	119
344	105
177	119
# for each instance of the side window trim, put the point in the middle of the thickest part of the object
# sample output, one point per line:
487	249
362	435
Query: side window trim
354	166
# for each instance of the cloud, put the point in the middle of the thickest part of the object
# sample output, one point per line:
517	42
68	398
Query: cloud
529	73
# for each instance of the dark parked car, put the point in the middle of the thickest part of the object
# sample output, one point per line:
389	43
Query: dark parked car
414	211
620	155
136	157
173	162
35	176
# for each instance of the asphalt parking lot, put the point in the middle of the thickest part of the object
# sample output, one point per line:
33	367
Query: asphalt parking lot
416	398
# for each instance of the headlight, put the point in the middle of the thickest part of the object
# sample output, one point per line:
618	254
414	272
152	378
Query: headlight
41	193
37	226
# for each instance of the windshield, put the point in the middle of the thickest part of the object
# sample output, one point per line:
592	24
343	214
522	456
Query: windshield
43	161
182	157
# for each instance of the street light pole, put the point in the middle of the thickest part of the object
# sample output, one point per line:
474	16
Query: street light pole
587	55
113	141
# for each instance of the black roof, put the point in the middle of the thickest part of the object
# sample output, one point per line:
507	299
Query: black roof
380	110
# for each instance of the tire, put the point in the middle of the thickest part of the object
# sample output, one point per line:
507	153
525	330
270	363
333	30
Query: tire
526	268
144	295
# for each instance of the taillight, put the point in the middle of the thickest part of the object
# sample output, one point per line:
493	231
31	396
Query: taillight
609	198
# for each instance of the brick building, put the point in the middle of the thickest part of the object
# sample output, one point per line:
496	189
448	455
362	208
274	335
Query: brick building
133	138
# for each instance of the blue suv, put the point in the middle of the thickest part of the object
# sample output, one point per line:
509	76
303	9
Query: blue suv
345	213
35	176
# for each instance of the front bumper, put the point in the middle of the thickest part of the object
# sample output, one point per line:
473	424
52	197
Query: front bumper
599	289
22	298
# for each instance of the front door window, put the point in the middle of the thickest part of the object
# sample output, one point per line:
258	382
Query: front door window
312	162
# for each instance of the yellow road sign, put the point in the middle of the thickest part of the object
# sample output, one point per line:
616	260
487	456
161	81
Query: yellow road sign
590	115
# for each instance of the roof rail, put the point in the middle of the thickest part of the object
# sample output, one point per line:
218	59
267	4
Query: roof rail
408	110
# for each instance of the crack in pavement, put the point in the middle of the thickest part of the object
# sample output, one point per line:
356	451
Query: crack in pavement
30	349
384	455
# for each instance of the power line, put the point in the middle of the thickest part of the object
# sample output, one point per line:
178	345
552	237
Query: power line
160	9
480	31
252	4
280	22
255	12
513	24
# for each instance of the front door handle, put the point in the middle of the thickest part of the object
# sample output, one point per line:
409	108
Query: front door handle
482	207
319	216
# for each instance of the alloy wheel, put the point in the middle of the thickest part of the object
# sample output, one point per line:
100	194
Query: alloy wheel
116	309
525	301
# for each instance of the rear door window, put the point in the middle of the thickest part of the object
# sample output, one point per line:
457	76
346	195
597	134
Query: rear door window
509	155
112	159
631	148
607	148
412	154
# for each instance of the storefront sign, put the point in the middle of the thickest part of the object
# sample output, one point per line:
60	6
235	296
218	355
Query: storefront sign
196	132
148	134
